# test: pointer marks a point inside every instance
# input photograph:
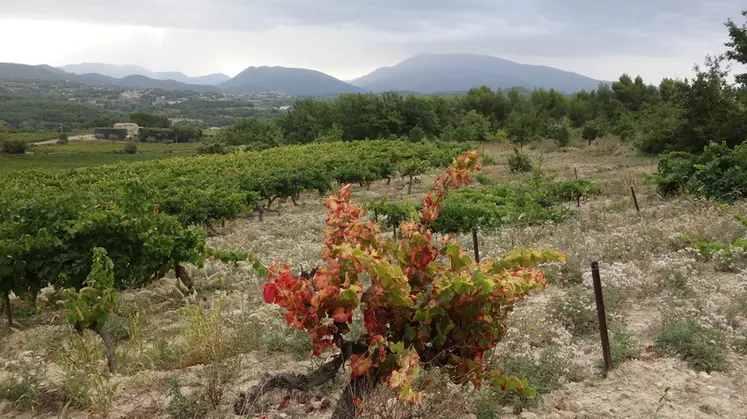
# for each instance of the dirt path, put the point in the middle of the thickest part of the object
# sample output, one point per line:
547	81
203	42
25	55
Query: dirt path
75	138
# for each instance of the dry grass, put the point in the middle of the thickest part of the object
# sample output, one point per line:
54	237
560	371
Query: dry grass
220	340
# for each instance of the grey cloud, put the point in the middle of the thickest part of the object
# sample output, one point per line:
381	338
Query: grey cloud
536	28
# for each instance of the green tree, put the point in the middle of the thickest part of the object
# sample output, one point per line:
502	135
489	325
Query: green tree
145	119
560	132
522	127
63	139
416	135
738	45
473	127
14	146
592	130
254	133
308	120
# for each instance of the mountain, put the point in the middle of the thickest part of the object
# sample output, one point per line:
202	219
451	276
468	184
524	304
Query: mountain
432	73
122	71
291	81
13	71
210	79
141	82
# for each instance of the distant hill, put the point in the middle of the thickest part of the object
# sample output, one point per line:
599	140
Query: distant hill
291	81
433	73
122	71
11	71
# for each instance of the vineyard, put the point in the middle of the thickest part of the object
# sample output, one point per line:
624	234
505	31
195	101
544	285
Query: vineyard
257	284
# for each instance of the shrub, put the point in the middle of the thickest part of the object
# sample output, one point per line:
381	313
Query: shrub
543	373
719	172
683	336
63	139
519	162
212	147
21	388
15	146
419	301
183	406
130	148
622	347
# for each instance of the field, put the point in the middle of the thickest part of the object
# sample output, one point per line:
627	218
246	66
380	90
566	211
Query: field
673	312
88	153
31	137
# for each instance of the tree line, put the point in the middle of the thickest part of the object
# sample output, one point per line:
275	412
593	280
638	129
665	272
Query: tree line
677	115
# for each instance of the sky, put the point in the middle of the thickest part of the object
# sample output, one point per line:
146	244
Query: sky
349	38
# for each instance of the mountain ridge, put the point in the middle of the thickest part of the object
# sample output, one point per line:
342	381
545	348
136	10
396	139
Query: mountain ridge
289	80
119	71
430	73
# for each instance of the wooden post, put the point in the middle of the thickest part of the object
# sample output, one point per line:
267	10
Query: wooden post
602	318
476	245
575	170
394	230
635	200
8	308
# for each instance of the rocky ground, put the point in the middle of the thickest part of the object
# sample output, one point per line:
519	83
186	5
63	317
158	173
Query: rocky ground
187	356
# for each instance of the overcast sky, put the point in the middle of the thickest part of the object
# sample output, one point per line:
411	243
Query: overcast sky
349	38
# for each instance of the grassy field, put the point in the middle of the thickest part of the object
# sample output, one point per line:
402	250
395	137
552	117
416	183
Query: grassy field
672	313
89	153
31	137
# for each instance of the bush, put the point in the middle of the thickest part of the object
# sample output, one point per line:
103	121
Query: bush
130	148
683	336
212	147
544	374
63	139
720	173
622	347
15	146
519	162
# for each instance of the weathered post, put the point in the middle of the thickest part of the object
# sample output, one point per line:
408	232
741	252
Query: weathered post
602	318
476	245
635	200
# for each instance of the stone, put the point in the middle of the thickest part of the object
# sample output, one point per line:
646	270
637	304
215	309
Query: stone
561	405
691	387
704	376
568	415
669	396
576	406
624	396
527	415
692	373
469	416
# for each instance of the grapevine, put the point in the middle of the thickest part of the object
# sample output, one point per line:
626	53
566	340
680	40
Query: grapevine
424	302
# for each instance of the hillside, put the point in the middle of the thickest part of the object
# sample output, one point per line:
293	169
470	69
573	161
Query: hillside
121	71
291	81
12	71
432	73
